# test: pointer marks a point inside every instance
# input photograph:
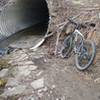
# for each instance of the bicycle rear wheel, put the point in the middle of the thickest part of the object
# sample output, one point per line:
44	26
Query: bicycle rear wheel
66	47
86	56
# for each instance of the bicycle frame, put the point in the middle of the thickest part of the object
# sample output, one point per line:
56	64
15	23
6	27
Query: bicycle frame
77	48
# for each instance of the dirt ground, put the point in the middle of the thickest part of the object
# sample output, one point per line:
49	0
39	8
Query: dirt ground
35	75
38	75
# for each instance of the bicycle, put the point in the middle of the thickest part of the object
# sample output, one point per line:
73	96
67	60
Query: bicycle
84	50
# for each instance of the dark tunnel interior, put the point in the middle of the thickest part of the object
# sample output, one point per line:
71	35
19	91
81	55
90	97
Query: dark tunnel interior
33	11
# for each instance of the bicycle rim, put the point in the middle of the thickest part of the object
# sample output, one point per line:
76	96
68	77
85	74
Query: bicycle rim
85	59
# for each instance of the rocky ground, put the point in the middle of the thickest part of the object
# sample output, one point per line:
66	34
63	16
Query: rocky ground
33	75
37	75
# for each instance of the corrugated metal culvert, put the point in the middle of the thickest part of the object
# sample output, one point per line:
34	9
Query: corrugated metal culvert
18	15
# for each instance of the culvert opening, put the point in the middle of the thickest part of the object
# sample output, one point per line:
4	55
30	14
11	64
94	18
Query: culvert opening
21	15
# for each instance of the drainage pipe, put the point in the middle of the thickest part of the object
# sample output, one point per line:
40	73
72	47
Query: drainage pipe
18	15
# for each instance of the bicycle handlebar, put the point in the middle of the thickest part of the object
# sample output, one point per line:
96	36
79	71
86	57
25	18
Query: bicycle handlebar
78	25
72	21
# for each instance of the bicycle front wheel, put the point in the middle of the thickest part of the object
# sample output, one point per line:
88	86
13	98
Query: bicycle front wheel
86	56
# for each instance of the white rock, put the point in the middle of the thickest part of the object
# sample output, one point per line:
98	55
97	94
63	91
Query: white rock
43	90
22	57
53	87
63	98
31	98
12	82
99	15
14	91
26	63
97	80
51	92
22	67
24	72
38	74
29	63
37	84
26	98
3	72
40	94
32	67
19	99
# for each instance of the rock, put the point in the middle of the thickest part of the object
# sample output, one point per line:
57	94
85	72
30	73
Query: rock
97	80
24	72
22	57
61	98
27	98
53	87
32	67
38	84
43	90
40	94
27	67
14	91
29	63
38	74
3	73
25	63
12	82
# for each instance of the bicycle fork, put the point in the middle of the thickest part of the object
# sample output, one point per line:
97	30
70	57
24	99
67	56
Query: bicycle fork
77	48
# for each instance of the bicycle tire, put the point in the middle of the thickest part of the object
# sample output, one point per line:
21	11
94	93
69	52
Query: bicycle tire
82	68
66	48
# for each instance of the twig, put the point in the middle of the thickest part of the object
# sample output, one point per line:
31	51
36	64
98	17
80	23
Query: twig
90	9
